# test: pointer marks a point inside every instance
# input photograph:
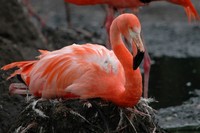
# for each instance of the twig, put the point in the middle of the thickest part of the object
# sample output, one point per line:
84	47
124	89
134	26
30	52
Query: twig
39	112
31	125
120	120
130	123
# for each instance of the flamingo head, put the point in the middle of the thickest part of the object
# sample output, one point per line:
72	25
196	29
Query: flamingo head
130	28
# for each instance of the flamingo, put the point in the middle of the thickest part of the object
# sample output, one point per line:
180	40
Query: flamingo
134	4
88	70
190	10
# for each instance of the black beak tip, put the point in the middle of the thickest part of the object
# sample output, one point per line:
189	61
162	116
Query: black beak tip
138	59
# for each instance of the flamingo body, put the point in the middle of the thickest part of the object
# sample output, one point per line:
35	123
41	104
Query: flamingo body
133	4
78	69
88	70
114	3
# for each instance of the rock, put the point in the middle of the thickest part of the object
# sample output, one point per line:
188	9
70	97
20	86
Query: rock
183	117
17	31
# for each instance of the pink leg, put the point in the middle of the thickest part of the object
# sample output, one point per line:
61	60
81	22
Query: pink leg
68	16
147	67
33	13
18	88
108	22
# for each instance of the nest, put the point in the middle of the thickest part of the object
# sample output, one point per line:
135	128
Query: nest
94	115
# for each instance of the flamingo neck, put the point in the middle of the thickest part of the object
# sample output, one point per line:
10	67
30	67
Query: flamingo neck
118	46
133	85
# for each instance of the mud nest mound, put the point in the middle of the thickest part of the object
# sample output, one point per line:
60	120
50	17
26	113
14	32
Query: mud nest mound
94	115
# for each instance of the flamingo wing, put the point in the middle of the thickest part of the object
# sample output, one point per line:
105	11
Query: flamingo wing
84	71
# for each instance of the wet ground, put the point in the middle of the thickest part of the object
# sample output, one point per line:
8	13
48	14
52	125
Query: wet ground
172	42
182	118
173	80
175	85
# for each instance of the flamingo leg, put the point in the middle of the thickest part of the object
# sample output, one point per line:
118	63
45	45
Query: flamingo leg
18	88
109	17
33	13
147	67
68	14
108	21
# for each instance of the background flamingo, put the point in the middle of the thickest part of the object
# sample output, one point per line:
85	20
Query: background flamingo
113	5
89	70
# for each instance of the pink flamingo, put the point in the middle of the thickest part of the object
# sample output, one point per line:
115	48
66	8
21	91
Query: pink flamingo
88	70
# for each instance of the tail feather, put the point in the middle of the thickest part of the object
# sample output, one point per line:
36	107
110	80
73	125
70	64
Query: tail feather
43	53
191	13
189	8
14	74
19	64
24	69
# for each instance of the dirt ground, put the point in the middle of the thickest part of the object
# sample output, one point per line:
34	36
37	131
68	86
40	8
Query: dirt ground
165	28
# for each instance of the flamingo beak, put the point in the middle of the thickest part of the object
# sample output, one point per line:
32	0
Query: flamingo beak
137	59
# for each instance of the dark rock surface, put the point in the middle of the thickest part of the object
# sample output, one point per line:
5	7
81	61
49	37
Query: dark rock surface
184	117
